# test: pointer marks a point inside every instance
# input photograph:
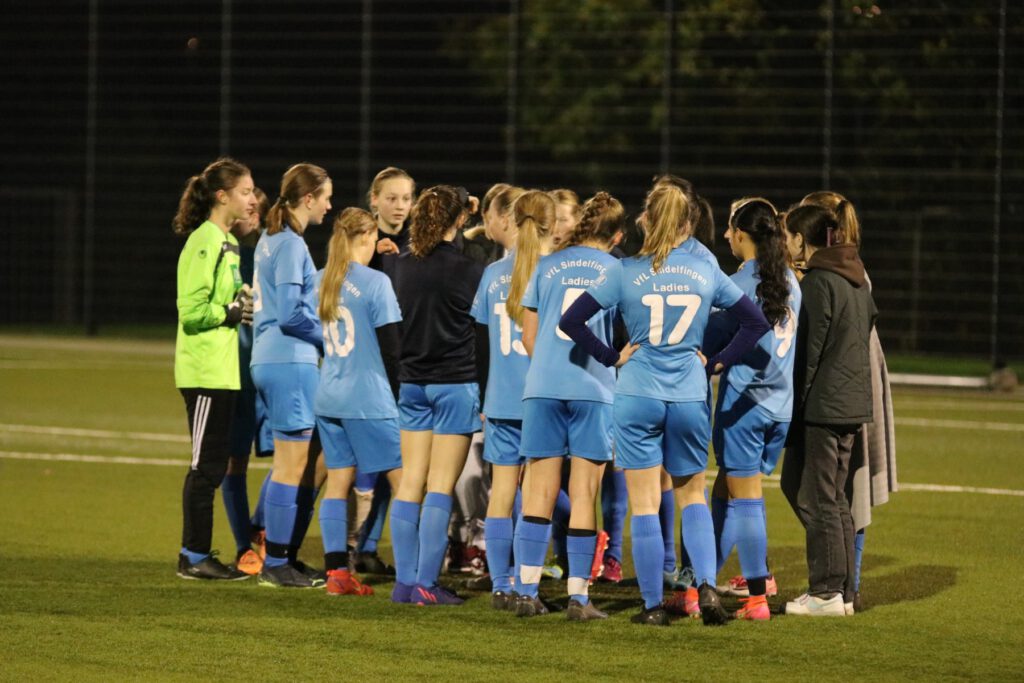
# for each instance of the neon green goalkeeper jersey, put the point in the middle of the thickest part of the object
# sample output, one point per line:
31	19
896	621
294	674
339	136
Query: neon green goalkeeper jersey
206	352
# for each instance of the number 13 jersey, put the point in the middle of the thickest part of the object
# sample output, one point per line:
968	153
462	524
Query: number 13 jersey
666	313
353	382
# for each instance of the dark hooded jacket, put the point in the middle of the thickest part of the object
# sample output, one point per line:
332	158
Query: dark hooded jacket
832	383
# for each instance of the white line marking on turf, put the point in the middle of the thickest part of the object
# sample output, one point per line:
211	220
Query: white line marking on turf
904	403
94	433
959	424
770	482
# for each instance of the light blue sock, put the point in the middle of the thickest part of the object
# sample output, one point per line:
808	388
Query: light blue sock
667	521
498	538
530	545
236	505
648	559
373	527
614	508
334	524
581	544
279	513
858	554
434	519
744	522
719	509
560	524
699	536
258	518
405	539
194	558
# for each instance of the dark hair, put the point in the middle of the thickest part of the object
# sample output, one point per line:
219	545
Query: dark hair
298	181
704	223
817	225
759	219
435	213
201	191
602	217
262	203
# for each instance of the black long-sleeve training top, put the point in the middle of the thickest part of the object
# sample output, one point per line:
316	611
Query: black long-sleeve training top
436	294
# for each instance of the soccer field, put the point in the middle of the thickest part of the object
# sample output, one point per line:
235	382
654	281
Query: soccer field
94	447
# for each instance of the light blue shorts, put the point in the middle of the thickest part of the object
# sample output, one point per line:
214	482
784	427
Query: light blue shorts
287	390
555	428
370	445
650	432
440	408
747	440
502	439
251	424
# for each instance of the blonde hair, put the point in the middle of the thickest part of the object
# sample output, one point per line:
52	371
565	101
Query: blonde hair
563	196
846	215
602	217
534	216
668	219
298	181
349	225
385	175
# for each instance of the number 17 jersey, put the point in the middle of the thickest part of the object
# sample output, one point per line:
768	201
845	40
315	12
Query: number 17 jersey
666	313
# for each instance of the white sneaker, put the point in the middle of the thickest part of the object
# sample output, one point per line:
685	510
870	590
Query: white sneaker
811	606
848	608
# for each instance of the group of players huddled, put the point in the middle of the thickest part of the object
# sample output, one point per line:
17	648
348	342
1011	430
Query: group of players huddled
374	373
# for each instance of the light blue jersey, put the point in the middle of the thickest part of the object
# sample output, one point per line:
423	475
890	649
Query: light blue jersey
506	376
666	313
559	368
695	247
353	382
281	259
765	374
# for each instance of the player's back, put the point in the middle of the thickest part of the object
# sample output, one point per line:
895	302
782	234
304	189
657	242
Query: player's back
281	259
506	377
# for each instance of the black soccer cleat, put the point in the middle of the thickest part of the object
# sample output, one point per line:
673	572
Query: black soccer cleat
530	607
579	612
711	610
655	616
285	576
370	563
209	568
317	576
500	600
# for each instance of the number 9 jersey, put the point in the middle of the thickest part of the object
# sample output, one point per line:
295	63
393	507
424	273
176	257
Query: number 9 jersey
353	382
666	313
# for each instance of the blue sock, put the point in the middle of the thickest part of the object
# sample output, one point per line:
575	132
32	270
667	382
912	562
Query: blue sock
236	505
437	513
559	526
304	501
581	544
530	545
614	507
279	514
258	518
194	558
498	538
647	558
858	554
364	481
405	539
699	535
334	524
667	520
744	522
373	528
517	516
719	508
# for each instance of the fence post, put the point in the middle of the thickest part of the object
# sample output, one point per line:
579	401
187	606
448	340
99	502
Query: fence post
365	93
666	86
512	104
225	78
89	213
997	195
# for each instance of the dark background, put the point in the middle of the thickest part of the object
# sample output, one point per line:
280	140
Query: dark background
586	94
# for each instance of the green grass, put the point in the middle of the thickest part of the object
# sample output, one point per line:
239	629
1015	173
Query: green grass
88	587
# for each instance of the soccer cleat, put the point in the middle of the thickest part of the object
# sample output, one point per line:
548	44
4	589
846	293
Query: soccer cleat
284	576
552	571
813	606
685	603
474	561
259	539
655	616
480	583
434	595
612	572
370	563
317	576
402	593
527	606
857	604
343	582
848	609
249	562
579	612
686	579
501	599
754	609
737	587
711	610
597	566
209	568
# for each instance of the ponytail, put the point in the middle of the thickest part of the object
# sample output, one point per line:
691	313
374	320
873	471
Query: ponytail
845	213
668	219
349	225
602	217
436	212
534	216
201	190
298	181
758	218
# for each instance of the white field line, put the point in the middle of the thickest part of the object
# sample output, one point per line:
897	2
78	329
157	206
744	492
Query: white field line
770	482
960	424
904	403
148	347
95	433
33	364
